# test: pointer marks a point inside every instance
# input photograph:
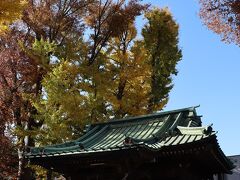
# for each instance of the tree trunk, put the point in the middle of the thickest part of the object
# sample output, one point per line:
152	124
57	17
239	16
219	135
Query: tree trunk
21	160
24	172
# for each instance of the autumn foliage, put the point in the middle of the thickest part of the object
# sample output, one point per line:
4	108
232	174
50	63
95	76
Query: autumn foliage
223	17
10	11
65	64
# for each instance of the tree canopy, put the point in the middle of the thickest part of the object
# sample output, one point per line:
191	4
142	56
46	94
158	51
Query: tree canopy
130	77
66	64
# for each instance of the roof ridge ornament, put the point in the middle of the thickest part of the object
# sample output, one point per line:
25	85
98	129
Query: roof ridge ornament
197	106
207	130
81	146
128	141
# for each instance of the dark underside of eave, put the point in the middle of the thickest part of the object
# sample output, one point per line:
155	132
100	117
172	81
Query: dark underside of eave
205	155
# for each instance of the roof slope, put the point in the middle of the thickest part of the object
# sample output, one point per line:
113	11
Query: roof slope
153	133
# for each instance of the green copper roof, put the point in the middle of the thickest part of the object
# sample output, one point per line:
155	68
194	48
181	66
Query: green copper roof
153	132
160	137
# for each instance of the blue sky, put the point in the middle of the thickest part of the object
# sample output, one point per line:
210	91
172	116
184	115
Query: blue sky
208	74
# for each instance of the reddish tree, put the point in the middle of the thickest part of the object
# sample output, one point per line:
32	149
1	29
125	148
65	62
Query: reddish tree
8	158
222	17
17	75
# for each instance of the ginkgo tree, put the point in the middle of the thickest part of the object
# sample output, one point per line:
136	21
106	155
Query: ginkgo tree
161	43
130	77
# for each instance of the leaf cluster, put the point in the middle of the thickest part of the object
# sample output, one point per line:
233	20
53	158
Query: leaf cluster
9	12
222	17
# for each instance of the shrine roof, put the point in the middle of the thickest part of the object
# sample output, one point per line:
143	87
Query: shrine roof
152	131
164	134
